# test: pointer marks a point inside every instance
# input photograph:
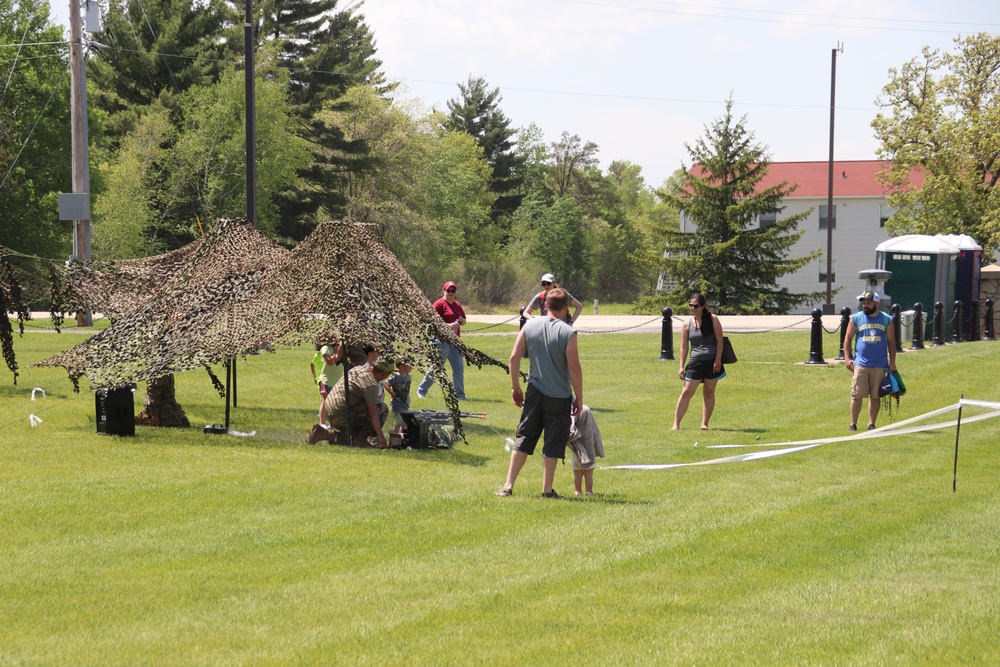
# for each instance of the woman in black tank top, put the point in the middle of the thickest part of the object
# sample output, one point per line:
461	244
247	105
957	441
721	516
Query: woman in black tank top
703	333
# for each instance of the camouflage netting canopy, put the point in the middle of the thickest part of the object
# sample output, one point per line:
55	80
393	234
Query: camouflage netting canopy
10	300
235	292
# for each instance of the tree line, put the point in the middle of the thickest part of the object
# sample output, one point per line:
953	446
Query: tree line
456	194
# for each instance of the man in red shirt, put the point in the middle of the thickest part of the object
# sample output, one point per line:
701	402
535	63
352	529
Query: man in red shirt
453	315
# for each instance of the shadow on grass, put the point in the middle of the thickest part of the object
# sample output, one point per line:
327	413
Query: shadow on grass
734	430
284	438
608	499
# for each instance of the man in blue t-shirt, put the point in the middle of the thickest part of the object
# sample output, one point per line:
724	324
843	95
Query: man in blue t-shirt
874	356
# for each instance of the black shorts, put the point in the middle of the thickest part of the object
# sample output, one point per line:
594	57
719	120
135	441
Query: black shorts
544	413
703	369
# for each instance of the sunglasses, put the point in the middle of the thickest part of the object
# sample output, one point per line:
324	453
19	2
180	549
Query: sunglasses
451	290
694	305
545	284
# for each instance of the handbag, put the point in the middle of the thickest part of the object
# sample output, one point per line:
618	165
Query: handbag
885	388
728	354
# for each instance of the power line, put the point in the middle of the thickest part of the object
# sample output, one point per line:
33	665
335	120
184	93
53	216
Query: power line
544	91
770	20
817	16
645	98
13	67
33	44
28	138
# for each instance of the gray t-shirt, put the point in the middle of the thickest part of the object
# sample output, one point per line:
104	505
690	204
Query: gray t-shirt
547	339
702	346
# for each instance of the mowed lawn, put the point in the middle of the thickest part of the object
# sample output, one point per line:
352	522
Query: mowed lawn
177	547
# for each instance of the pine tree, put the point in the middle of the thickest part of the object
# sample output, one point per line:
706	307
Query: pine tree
156	51
477	112
328	52
727	258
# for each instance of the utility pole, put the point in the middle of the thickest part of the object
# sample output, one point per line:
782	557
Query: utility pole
81	156
251	123
828	307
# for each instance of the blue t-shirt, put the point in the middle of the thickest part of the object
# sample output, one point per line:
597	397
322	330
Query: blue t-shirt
872	347
547	339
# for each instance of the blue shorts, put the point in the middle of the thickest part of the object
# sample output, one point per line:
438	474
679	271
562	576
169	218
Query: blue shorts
703	369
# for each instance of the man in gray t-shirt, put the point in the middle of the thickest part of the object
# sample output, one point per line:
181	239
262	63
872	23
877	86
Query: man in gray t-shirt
554	394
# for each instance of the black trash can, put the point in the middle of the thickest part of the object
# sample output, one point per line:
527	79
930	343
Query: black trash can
115	411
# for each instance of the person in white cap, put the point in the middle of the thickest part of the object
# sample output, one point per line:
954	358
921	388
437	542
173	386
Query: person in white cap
539	300
874	356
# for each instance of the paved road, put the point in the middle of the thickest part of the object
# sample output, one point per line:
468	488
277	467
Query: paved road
650	324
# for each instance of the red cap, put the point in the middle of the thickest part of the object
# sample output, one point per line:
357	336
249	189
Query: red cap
449	284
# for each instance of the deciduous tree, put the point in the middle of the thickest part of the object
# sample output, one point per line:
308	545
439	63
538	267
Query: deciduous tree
35	154
942	118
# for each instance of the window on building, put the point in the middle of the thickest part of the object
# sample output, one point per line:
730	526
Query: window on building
824	216
822	268
767	219
885	214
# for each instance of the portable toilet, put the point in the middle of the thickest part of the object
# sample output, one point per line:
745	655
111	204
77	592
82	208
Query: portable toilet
923	270
967	270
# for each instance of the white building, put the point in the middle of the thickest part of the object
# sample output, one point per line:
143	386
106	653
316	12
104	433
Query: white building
860	214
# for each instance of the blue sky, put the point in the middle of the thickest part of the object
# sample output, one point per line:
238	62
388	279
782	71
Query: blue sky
643	77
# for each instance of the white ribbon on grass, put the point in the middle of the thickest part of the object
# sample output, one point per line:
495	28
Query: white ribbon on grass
801	445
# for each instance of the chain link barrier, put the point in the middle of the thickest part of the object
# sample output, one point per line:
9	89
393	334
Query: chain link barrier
635	326
490	326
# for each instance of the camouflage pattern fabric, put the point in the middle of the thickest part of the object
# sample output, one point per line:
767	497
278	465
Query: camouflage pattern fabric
235	292
10	301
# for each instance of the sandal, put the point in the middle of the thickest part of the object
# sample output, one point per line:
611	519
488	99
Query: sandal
551	494
504	493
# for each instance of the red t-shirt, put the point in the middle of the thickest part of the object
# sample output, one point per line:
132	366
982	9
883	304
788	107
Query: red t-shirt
449	312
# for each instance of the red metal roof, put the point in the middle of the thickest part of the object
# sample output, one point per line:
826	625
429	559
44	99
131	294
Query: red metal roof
851	178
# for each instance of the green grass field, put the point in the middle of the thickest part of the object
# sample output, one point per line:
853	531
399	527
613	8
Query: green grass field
176	547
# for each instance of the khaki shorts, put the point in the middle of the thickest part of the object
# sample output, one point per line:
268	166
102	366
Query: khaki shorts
866	382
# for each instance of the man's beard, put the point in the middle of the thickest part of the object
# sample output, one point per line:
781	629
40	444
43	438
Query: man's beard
870	311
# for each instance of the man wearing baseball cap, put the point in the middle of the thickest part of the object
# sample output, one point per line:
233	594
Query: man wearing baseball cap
368	412
539	301
453	314
874	356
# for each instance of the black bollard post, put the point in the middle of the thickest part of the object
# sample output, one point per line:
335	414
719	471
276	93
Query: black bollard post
667	336
918	327
990	333
974	320
229	387
938	330
956	332
897	325
845	317
520	326
816	339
